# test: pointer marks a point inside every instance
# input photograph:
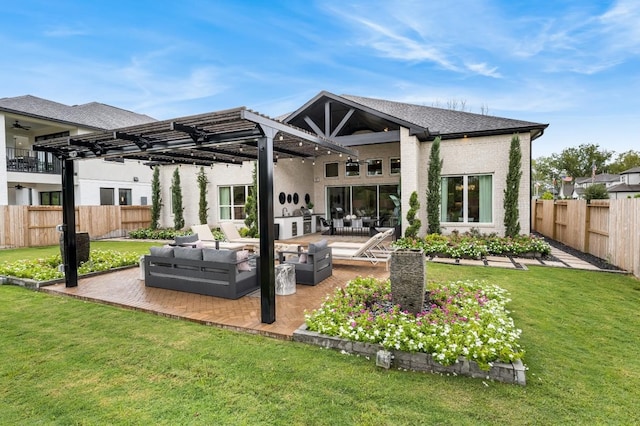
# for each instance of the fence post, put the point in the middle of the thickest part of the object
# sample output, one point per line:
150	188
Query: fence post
555	216
587	227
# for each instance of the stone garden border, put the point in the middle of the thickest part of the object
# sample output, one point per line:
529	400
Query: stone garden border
513	373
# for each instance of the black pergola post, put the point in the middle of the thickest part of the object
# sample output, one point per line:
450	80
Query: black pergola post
70	260
265	226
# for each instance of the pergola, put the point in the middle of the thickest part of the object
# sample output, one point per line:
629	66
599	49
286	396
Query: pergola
229	136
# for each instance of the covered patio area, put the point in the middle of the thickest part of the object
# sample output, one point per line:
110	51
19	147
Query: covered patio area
229	136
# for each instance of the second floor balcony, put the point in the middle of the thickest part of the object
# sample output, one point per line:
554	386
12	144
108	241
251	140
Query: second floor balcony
25	160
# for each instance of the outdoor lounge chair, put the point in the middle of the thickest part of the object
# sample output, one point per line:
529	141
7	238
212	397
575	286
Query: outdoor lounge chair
313	265
208	240
233	236
372	250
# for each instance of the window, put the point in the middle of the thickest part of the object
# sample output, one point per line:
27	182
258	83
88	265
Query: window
374	202
331	170
394	166
352	168
374	167
106	197
467	199
232	201
51	198
124	197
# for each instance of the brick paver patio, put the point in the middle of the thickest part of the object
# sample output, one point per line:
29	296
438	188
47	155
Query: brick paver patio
124	288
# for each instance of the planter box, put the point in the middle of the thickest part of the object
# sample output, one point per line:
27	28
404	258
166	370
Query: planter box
513	373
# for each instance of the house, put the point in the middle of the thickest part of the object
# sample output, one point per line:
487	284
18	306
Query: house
607	179
34	178
393	141
628	186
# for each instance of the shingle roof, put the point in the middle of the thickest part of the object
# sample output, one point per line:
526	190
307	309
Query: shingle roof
601	178
623	187
93	114
440	120
631	170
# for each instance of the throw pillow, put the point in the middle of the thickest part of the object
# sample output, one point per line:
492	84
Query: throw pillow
242	258
222	256
316	247
187	239
303	258
161	251
187	253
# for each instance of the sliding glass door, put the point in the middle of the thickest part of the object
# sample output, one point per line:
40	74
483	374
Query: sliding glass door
367	201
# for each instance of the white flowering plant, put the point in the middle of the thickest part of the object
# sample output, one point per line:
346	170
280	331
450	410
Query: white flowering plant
46	269
465	319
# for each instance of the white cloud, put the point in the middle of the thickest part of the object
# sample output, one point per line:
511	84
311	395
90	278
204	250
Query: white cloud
65	31
483	69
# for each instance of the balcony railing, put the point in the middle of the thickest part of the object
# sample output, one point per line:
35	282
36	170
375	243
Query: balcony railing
24	160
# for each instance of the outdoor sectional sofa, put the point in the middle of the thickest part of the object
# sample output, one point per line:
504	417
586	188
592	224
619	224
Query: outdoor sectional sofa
221	273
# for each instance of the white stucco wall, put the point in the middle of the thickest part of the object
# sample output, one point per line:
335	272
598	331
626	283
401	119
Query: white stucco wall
4	194
483	155
488	155
91	175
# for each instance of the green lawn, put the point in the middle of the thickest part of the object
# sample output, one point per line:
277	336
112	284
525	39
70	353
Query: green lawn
66	361
11	255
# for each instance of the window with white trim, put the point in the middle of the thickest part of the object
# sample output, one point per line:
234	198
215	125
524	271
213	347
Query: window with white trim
467	199
374	167
394	166
331	170
232	200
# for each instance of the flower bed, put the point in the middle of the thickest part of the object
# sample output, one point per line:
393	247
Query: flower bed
476	246
46	269
461	320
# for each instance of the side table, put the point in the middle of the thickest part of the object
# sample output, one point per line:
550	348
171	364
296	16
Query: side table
285	279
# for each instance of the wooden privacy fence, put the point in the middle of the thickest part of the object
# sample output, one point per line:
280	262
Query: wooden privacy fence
28	226
608	229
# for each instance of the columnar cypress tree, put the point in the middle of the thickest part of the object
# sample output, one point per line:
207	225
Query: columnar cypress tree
512	189
203	205
251	206
156	200
414	223
433	189
178	210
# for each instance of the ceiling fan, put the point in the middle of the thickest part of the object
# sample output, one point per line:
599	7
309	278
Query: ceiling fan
17	125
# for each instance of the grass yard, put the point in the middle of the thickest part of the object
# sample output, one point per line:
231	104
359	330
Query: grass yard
11	255
66	361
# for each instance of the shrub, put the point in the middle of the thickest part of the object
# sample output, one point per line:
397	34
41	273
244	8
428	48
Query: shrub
46	269
156	234
474	245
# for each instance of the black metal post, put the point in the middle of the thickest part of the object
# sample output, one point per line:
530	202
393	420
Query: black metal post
70	260
266	228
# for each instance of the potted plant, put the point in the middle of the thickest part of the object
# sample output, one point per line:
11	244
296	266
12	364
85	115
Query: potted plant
310	207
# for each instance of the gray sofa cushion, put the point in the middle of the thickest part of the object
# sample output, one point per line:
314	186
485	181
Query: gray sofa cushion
316	247
187	239
187	253
161	251
223	256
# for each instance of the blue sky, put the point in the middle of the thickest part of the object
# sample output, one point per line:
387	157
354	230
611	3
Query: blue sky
572	64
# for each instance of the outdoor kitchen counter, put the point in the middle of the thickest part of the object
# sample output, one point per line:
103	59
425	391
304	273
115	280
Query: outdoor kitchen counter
292	226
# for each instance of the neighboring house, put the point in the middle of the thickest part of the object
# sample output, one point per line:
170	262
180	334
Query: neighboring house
582	183
393	141
629	186
34	178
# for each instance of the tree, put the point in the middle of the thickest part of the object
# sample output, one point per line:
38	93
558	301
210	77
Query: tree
176	192
596	191
414	223
625	161
512	189
433	189
251	206
203	205
156	200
